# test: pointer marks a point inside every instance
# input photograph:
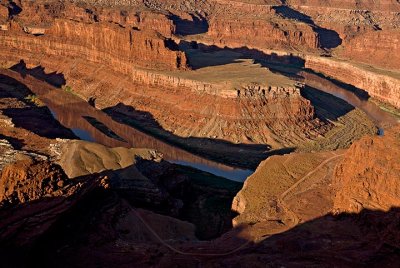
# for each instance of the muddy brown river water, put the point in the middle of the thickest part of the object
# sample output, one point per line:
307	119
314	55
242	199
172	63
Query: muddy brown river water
81	118
380	118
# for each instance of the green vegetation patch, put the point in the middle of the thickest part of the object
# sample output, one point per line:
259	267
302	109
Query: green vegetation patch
33	99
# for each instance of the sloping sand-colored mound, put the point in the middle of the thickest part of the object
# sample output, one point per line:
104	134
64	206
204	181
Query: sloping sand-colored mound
81	158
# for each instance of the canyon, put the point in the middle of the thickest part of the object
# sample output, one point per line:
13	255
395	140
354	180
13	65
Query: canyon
210	133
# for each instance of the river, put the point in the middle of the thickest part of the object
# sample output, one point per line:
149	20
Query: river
77	115
380	118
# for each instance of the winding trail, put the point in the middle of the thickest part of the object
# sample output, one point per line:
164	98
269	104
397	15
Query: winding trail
309	174
293	216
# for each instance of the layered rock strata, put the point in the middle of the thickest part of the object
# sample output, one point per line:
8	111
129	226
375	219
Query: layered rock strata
380	46
369	29
281	34
103	52
381	84
108	44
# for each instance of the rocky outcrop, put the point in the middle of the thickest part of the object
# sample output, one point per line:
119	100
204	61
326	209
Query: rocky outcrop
380	84
37	192
368	177
120	165
27	180
361	187
79	158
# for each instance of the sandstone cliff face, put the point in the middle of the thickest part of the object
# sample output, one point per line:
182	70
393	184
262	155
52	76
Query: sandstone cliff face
142	48
130	15
380	84
375	47
118	37
382	5
368	177
103	43
238	23
261	33
369	29
230	22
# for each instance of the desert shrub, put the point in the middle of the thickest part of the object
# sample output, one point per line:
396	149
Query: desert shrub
67	89
34	100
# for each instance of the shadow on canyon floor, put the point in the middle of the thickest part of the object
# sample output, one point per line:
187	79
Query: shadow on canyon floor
32	117
360	93
171	190
87	235
287	65
327	107
103	128
205	199
225	152
13	9
346	240
197	25
54	79
16	143
38	120
328	38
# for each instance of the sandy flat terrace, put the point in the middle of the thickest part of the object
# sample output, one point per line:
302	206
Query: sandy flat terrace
229	68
